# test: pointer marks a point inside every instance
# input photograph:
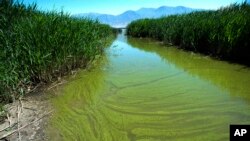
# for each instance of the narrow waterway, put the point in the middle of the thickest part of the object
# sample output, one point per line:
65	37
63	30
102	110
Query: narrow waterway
142	91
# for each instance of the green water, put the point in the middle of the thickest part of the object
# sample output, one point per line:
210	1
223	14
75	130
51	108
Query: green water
142	91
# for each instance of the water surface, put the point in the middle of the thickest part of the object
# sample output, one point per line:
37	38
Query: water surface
143	91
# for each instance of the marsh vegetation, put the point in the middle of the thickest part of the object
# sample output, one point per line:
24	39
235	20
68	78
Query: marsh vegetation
223	33
38	47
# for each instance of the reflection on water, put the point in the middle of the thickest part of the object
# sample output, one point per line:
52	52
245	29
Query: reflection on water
145	92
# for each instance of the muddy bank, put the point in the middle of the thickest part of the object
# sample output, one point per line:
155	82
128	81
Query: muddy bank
26	118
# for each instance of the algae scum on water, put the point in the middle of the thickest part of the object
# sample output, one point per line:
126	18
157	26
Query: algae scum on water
142	91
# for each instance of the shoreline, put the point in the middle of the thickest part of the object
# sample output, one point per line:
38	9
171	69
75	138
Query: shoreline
26	118
31	113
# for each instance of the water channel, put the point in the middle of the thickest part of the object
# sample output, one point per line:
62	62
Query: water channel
144	91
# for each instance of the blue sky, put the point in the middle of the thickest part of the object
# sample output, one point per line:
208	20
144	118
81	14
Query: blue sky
118	6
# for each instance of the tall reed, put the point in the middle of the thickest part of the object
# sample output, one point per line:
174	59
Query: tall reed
37	47
223	33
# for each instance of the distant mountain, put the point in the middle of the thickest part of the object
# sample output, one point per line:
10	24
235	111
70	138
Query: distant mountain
125	18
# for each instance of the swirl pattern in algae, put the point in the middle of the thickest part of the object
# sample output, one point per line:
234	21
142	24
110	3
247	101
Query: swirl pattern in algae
143	91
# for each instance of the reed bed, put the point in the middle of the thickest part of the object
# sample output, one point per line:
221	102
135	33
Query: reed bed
223	33
38	47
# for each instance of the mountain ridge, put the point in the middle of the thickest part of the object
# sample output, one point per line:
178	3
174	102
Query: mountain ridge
123	19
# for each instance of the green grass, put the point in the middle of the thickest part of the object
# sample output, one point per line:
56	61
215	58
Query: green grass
37	47
223	33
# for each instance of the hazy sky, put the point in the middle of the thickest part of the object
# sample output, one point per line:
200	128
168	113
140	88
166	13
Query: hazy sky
118	6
